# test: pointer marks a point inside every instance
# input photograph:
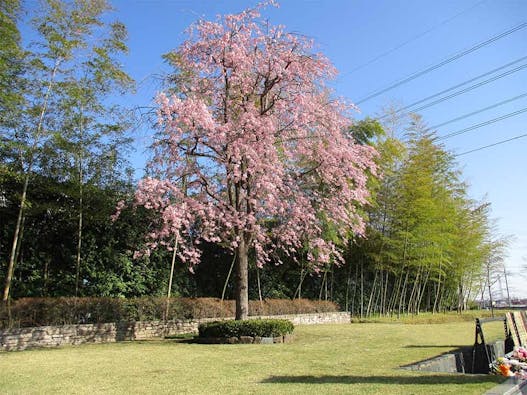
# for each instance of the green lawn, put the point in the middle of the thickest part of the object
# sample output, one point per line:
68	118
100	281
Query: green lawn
324	359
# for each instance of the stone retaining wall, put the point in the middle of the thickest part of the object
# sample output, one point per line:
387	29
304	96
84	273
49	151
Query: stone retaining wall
316	318
54	336
449	363
246	340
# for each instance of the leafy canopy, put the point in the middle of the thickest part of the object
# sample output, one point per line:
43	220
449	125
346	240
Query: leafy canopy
252	146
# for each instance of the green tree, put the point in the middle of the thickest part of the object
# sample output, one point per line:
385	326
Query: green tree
91	141
64	90
426	242
11	62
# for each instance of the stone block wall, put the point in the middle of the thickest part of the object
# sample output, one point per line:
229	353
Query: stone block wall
341	317
443	363
157	329
55	336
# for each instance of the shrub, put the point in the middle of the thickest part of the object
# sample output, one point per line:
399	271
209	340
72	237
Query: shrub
287	306
146	309
61	311
257	327
195	308
27	312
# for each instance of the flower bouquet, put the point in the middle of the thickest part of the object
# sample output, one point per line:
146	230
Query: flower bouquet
509	367
520	353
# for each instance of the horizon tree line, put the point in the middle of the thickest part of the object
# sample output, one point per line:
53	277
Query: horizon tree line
305	202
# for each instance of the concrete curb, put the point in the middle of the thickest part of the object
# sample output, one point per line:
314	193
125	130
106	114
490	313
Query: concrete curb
511	386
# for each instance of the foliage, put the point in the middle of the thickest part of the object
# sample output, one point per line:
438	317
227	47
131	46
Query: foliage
251	151
255	163
27	312
271	170
62	311
261	328
64	127
11	62
427	242
287	306
47	263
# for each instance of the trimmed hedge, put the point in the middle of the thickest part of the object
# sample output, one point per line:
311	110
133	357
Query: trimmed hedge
258	327
30	312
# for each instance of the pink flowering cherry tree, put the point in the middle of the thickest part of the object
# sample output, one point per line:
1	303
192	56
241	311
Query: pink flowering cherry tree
253	151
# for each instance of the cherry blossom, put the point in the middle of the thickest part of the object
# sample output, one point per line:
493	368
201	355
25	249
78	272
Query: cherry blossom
253	148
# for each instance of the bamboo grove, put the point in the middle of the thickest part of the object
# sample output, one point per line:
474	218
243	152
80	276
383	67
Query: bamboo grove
429	245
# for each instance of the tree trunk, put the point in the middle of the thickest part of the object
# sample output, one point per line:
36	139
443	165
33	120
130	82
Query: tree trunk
385	295
46	277
361	289
490	290
259	290
409	307
348	282
79	235
483	287
402	296
324	279
81	202
469	287
372	292
440	302
228	278
326	288
422	291
16	236
242	280
395	294
303	274
172	265
507	287
355	287
332	284
436	294
378	296
12	256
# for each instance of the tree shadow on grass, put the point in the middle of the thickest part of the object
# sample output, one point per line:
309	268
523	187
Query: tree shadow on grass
187	338
421	379
452	346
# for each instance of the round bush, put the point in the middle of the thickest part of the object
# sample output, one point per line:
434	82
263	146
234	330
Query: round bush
259	327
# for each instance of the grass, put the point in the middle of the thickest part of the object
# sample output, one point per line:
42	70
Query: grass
430	318
327	359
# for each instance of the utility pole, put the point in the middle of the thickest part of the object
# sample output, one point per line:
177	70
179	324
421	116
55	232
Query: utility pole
507	286
490	290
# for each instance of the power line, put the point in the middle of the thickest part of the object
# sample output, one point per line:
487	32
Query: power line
479	125
492	145
471	88
414	38
467	89
443	63
479	111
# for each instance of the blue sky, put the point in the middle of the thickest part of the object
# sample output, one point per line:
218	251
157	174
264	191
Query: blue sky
374	44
